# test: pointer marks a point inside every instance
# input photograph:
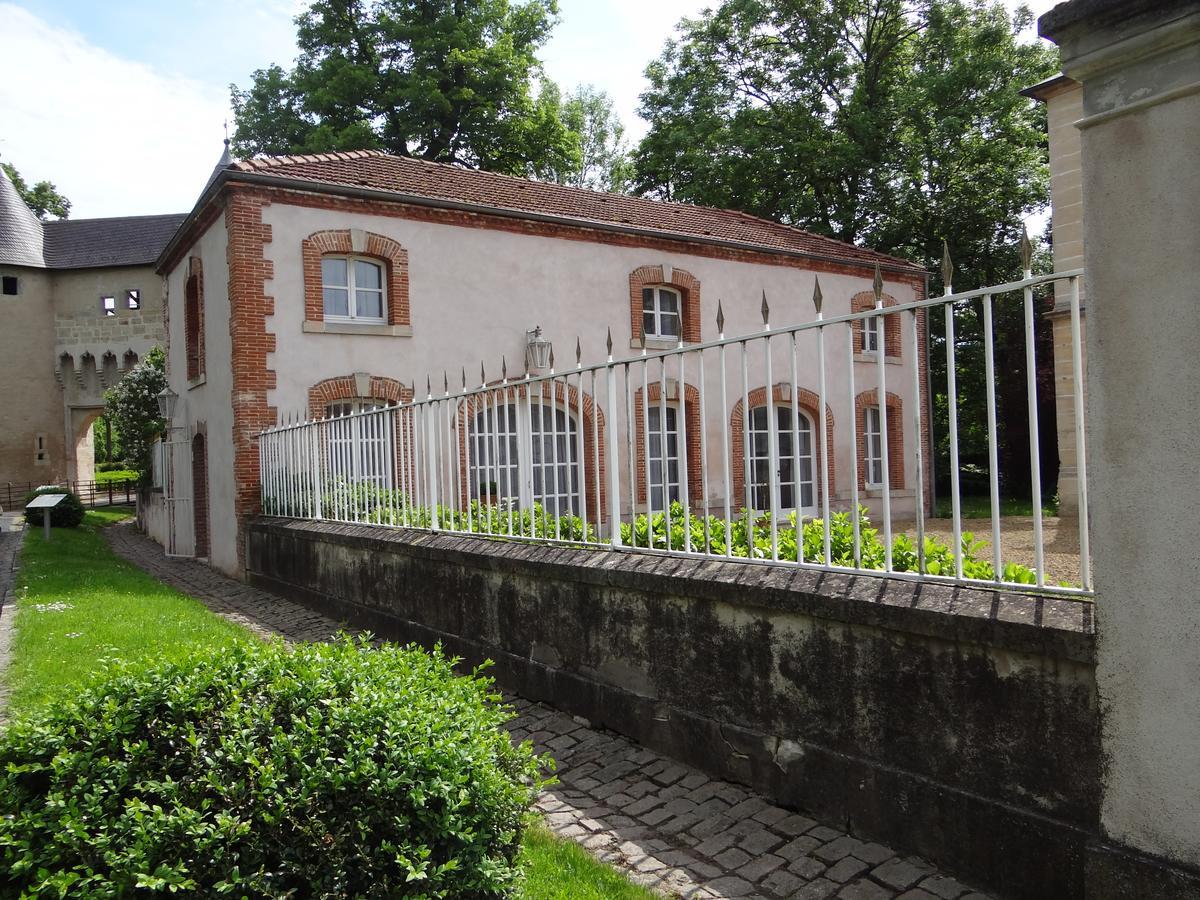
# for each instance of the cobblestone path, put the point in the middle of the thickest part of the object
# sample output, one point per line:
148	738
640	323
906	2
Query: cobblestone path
10	542
667	825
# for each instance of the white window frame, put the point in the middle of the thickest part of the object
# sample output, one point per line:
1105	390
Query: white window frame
653	295
873	446
872	336
372	435
664	484
352	290
786	458
504	447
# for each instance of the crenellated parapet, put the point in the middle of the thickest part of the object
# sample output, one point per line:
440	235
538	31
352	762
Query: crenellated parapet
84	380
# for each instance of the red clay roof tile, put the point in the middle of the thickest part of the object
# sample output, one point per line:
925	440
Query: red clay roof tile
404	175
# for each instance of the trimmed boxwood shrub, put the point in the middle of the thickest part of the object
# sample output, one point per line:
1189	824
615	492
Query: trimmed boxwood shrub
68	513
323	770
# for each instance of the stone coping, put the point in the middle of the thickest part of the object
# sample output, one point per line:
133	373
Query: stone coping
1057	627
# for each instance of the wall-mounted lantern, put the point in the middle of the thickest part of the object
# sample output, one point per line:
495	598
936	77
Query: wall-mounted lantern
166	403
537	349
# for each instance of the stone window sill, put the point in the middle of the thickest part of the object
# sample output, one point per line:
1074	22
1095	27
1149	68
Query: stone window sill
874	359
655	344
355	328
196	382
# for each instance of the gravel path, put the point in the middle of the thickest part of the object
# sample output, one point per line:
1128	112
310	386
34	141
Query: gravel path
666	825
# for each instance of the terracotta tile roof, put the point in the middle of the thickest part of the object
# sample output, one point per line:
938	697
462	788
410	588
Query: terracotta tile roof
376	170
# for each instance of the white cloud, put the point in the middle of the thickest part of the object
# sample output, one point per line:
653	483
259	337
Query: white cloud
114	135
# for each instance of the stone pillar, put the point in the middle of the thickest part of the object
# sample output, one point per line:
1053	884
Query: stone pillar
1139	63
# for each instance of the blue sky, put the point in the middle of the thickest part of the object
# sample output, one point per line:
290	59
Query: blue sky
121	103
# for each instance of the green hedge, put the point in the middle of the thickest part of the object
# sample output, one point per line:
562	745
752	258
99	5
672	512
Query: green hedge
323	770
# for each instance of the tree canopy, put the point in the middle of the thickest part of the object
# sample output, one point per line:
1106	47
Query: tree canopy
43	198
445	80
132	407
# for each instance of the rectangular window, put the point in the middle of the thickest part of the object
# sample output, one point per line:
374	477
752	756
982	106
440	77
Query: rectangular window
41	455
352	289
871	334
664	459
660	313
133	298
109	305
874	441
8	285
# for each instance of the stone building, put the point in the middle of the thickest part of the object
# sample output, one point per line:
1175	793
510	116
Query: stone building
1063	97
80	304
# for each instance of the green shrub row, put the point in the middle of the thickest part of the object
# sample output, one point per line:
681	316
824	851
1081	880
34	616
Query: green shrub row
744	536
262	770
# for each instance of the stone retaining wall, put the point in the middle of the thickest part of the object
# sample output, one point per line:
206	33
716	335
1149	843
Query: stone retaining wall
957	724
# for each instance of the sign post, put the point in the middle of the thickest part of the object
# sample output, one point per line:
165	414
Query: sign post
45	502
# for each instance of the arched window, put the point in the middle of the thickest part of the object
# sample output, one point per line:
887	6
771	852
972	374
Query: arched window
526	455
193	319
360	445
353	289
795	486
664	455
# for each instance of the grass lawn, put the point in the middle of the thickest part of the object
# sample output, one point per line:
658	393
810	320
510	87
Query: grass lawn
979	506
79	603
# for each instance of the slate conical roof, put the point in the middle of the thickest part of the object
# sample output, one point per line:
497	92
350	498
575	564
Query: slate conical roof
224	162
20	230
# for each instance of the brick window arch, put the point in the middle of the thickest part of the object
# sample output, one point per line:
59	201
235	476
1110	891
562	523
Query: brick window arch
359	386
193	318
691	412
682	281
895	436
352	242
809	404
865	300
565	398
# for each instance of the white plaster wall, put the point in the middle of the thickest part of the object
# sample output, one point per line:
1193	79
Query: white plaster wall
474	292
207	404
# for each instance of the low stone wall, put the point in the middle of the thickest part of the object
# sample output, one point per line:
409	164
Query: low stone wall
957	724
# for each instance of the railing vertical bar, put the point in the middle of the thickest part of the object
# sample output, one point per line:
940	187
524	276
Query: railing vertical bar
918	402
881	358
665	450
646	449
596	482
797	494
406	475
854	425
774	489
703	451
554	492
747	484
432	432
533	525
989	378
821	439
512	427
492	473
1085	562
580	455
630	441
952	403
685	486
614	475
1035	460
726	452
315	462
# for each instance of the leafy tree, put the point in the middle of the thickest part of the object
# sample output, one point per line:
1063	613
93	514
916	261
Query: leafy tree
444	80
43	198
132	407
603	162
884	122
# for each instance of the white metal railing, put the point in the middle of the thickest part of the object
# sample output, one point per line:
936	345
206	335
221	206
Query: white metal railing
706	450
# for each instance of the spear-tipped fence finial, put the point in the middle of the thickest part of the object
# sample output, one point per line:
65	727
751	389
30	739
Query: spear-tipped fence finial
720	318
464	376
766	310
551	358
504	368
1026	251
877	285
578	352
428	386
642	337
947	267
482	374
608	342
817	297
446	381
